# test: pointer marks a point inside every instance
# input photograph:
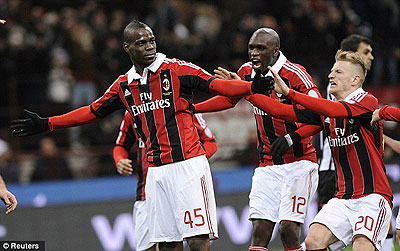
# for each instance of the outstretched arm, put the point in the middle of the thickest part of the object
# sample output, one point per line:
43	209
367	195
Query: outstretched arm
388	113
319	105
273	107
34	124
215	104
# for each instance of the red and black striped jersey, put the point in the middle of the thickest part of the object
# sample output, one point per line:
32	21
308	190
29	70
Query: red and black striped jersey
357	148
127	138
160	101
390	113
270	128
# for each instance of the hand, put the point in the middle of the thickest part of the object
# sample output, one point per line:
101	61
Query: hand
280	85
398	236
262	85
124	167
2	21
8	199
225	74
34	124
281	145
375	118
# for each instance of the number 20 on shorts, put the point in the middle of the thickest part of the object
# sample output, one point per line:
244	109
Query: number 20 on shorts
190	217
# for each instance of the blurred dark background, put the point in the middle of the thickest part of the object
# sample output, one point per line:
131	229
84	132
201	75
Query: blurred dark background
57	55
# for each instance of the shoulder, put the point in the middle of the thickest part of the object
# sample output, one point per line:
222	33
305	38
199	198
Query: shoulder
297	74
245	69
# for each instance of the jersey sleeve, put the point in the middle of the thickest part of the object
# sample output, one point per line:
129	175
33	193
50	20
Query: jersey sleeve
285	112
206	135
390	113
300	80
109	102
195	78
361	106
215	104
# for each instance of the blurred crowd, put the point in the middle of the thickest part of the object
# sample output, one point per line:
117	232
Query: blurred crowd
59	55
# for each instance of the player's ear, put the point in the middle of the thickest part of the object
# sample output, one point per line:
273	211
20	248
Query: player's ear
276	52
125	45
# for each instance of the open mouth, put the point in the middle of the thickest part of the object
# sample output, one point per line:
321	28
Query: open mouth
332	83
256	63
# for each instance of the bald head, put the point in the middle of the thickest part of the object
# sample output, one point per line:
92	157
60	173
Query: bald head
263	49
271	34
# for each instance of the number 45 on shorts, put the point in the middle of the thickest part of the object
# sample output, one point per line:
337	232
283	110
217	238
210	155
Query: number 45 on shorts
195	217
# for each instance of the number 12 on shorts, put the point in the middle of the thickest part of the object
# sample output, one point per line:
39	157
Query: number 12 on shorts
297	202
194	217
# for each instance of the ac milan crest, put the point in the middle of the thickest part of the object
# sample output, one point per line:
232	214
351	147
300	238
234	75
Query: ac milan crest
165	84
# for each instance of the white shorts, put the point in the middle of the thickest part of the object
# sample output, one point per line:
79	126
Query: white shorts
180	201
368	216
283	192
141	226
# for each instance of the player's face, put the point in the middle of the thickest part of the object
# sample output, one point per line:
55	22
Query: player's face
340	79
262	51
365	51
142	47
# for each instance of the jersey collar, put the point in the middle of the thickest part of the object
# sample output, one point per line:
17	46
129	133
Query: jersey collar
276	67
133	75
352	96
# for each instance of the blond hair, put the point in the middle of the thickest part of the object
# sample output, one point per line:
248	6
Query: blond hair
355	59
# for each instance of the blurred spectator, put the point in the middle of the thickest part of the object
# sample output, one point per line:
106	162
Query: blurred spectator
8	165
67	54
50	165
60	78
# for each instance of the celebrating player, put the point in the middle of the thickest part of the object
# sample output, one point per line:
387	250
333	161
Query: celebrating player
157	92
361	210
127	137
286	179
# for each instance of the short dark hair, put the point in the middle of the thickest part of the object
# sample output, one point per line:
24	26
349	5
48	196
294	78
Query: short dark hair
352	42
134	25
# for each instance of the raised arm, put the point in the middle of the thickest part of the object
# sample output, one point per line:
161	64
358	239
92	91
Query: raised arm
318	105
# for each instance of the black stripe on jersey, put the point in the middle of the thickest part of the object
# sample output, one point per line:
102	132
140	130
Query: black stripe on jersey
297	146
111	105
347	108
365	120
130	139
363	159
307	116
269	129
260	146
167	92
139	173
344	164
131	102
151	124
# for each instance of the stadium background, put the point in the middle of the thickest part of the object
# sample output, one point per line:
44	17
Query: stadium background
59	55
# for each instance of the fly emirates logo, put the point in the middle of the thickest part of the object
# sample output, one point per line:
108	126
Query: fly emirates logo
149	105
341	139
